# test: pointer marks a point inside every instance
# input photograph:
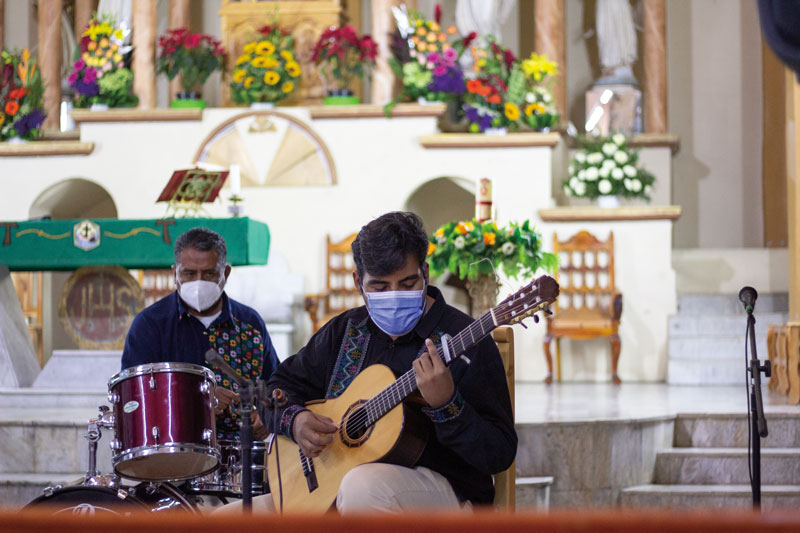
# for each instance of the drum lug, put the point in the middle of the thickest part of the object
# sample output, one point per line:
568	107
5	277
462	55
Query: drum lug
155	433
152	382
113	397
50	490
115	445
205	387
207	434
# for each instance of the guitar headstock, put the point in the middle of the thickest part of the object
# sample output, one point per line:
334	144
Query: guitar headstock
533	297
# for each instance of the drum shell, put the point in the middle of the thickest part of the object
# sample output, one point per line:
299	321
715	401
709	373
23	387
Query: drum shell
227	479
176	398
92	500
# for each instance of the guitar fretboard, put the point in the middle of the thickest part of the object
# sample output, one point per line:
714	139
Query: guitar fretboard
406	384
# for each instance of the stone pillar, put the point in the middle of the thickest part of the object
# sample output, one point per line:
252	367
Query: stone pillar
83	13
179	16
49	59
793	190
655	66
383	25
18	364
550	39
144	55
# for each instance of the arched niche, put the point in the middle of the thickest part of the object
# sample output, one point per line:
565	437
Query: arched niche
272	148
437	202
73	198
443	200
68	199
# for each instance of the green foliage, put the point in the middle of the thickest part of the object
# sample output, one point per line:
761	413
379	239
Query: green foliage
470	249
116	88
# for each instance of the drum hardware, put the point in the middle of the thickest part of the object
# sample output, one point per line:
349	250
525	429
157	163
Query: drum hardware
207	434
93	435
113	397
51	489
205	387
152	381
155	434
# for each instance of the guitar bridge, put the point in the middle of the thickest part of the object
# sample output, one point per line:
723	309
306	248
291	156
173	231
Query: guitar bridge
308	472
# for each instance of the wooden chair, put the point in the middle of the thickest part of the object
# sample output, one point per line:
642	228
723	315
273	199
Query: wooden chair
340	294
505	481
589	305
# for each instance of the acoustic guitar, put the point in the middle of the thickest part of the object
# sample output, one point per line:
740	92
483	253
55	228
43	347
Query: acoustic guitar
374	423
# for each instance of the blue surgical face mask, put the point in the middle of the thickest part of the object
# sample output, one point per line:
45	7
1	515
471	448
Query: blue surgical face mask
396	312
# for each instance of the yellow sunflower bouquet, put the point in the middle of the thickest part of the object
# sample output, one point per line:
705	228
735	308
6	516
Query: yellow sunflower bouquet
267	71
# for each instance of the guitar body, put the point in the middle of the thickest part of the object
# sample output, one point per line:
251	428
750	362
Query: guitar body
394	438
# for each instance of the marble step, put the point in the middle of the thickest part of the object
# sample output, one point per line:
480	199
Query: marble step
720	430
709	496
695	371
533	492
17	490
29	398
714	347
49	442
725	466
729	304
685	325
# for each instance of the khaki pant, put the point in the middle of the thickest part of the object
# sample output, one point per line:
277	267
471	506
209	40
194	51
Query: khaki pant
377	487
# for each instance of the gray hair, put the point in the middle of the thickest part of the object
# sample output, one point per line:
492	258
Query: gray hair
203	240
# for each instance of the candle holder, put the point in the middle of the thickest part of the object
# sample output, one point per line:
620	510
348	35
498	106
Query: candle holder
235	209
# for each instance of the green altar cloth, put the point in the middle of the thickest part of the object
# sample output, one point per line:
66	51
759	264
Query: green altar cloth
145	243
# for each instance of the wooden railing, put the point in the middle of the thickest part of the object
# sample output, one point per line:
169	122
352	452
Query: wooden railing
661	521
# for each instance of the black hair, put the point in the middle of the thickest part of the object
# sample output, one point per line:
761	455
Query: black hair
382	246
203	240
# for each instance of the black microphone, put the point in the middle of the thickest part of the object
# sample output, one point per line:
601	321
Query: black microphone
748	297
213	358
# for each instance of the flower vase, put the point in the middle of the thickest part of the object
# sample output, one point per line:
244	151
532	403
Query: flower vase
188	100
483	292
496	131
608	202
341	97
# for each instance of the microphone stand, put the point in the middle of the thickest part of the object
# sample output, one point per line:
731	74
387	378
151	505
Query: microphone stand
758	427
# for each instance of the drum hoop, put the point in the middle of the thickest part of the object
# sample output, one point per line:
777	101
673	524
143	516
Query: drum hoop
144	451
157	368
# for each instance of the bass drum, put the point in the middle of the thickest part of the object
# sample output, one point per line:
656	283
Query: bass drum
91	501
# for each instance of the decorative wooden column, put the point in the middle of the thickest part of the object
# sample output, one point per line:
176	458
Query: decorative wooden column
49	59
83	13
179	16
144	55
793	190
655	66
550	39
383	25
2	23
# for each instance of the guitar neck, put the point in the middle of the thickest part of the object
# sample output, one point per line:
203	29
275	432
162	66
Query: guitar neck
406	384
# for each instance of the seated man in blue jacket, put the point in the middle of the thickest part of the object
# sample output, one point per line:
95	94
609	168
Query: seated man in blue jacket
181	327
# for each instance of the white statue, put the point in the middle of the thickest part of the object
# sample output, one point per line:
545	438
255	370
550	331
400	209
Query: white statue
616	38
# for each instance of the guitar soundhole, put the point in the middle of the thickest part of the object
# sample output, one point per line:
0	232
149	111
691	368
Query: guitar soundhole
355	428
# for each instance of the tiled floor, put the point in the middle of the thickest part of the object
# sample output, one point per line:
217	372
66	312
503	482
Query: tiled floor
537	403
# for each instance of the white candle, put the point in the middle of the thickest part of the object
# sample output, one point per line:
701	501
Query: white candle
235	180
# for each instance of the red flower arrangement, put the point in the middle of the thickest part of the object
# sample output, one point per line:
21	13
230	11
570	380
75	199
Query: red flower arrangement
192	56
342	56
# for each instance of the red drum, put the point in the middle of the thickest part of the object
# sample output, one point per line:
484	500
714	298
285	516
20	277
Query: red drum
165	429
90	501
227	480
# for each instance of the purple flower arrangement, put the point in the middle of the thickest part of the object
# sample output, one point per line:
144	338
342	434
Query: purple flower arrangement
84	80
474	116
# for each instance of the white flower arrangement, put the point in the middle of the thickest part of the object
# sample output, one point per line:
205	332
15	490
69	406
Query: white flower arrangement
605	166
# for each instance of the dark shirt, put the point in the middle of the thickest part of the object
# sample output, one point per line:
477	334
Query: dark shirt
470	438
167	332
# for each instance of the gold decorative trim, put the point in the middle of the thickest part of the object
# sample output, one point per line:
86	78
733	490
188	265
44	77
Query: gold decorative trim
132	233
477	140
376	111
42	233
600	214
136	115
42	148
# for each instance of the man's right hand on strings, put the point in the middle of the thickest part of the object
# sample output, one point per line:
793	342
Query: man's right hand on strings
312	432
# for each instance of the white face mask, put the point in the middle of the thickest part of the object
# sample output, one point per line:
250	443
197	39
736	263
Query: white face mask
201	295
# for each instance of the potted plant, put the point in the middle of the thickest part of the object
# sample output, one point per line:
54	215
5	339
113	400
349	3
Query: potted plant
192	57
342	56
425	58
474	251
496	93
267	71
539	112
99	76
21	92
606	168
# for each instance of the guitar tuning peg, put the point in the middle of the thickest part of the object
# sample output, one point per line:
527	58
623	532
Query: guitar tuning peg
536	318
523	325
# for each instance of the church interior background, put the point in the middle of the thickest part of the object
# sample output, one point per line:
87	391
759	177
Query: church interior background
714	111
